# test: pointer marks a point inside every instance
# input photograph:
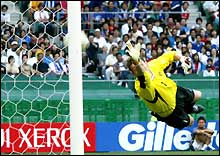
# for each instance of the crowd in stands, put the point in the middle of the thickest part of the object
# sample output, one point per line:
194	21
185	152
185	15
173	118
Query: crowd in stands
35	44
158	26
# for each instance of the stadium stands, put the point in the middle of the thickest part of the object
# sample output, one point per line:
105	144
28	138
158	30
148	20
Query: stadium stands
48	27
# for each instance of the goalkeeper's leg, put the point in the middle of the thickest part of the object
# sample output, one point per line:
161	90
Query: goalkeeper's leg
190	96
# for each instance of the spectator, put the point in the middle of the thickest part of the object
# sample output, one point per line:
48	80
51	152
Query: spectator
184	30
198	44
209	46
61	13
178	39
112	25
25	37
26	69
215	38
203	56
85	17
178	27
105	30
109	63
135	32
62	56
148	5
178	47
40	68
165	44
110	10
15	52
196	64
4	59
209	27
192	36
172	34
11	68
198	24
185	11
110	42
140	13
153	15
154	41
24	50
120	45
125	38
33	41
164	13
141	41
101	59
92	4
123	16
209	72
143	55
5	16
99	39
201	136
210	62
127	27
148	51
32	59
56	66
153	55
97	17
92	50
142	27
189	47
214	55
116	35
120	70
203	34
48	58
59	41
34	5
157	28
170	23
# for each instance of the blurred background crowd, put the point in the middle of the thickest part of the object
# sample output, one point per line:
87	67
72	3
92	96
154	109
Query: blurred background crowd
33	40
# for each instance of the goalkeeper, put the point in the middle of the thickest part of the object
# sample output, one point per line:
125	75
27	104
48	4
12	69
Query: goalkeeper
168	102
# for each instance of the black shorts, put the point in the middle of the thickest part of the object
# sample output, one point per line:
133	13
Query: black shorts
184	103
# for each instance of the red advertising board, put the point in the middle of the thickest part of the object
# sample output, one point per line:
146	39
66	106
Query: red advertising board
43	137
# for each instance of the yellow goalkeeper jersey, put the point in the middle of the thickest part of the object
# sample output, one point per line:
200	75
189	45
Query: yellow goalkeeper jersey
160	92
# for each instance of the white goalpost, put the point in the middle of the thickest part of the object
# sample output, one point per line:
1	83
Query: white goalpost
75	78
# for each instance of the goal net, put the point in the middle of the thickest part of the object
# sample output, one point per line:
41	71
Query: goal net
35	114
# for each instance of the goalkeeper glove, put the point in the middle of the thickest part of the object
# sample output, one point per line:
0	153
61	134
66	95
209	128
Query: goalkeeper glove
134	53
186	63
